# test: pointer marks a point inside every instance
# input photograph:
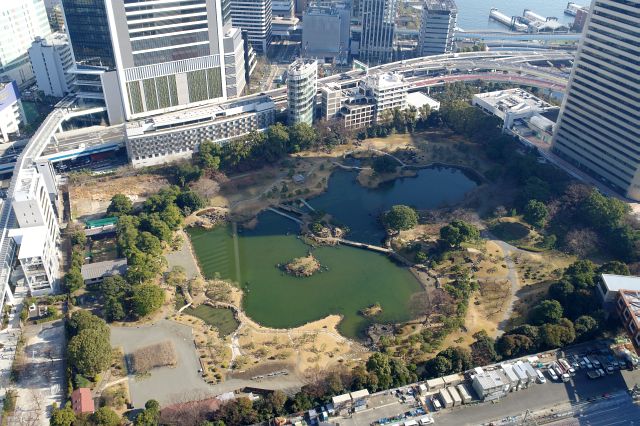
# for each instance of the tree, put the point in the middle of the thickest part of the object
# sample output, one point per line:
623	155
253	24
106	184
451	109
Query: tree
105	416
238	411
114	309
514	345
603	212
73	280
62	417
536	213
186	173
149	244
153	223
120	205
380	365
189	202
557	335
561	291
150	415
384	164
401	218
458	232
546	312
581	273
582	242
208	155
614	267
302	136
146	299
586	327
79	238
89	352
85	320
438	366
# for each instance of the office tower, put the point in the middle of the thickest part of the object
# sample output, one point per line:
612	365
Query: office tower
437	27
282	8
51	60
254	17
302	86
326	32
87	25
356	9
599	125
378	27
21	21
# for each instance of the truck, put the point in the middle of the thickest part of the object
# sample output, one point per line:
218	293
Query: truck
464	393
445	398
455	396
566	367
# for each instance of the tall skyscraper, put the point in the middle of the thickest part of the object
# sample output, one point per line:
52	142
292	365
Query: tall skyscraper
21	21
437	27
599	125
254	17
302	86
326	32
87	25
378	28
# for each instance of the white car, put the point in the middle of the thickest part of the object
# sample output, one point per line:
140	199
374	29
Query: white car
552	374
541	378
427	420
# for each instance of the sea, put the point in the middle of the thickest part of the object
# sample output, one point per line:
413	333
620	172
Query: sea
474	14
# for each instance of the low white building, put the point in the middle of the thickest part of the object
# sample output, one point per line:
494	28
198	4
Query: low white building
11	112
491	385
175	135
389	91
52	60
510	105
611	284
419	99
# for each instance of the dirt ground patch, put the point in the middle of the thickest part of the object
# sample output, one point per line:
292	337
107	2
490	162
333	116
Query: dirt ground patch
91	196
160	354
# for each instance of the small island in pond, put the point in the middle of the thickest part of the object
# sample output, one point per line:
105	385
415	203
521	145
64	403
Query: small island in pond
372	310
302	266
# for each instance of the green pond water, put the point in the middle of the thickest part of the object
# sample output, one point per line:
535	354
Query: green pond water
353	278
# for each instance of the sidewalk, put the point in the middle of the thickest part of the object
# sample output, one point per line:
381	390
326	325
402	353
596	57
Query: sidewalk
9	340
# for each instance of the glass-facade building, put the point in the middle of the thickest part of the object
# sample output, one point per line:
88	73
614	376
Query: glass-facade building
599	125
88	28
378	30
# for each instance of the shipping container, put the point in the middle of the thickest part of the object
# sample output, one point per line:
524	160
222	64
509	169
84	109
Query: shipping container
457	400
445	398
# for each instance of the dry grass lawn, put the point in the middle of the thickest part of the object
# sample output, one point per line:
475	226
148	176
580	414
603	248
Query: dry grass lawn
161	354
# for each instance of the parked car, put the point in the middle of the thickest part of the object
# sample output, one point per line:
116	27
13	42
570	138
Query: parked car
593	374
552	374
541	378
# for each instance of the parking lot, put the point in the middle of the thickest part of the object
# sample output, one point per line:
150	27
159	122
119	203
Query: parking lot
578	396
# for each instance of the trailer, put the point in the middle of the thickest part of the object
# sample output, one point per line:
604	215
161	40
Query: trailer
457	400
464	393
445	398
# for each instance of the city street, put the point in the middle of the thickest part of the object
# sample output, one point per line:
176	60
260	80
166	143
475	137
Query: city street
551	397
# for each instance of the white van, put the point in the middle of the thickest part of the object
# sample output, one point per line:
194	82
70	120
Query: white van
541	378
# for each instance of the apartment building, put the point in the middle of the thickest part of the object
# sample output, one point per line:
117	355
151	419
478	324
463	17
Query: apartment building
52	60
38	233
599	125
302	87
175	135
437	27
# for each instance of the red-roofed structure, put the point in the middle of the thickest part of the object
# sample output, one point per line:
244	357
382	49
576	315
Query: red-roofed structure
81	401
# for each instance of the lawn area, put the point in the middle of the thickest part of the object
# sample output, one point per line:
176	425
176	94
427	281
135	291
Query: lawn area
220	318
518	234
510	231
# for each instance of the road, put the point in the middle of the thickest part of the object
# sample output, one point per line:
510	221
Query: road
541	399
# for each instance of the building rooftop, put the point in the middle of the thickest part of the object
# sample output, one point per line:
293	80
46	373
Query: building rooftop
490	380
53	39
81	401
200	114
621	282
441	5
96	270
340	399
359	394
301	65
385	80
31	240
631	299
513	100
419	99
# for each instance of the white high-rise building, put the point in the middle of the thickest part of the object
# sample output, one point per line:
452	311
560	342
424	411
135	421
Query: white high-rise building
52	60
21	21
38	232
599	125
302	86
437	27
11	111
254	17
378	31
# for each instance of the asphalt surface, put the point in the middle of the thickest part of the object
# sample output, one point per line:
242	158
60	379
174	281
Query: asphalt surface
609	394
